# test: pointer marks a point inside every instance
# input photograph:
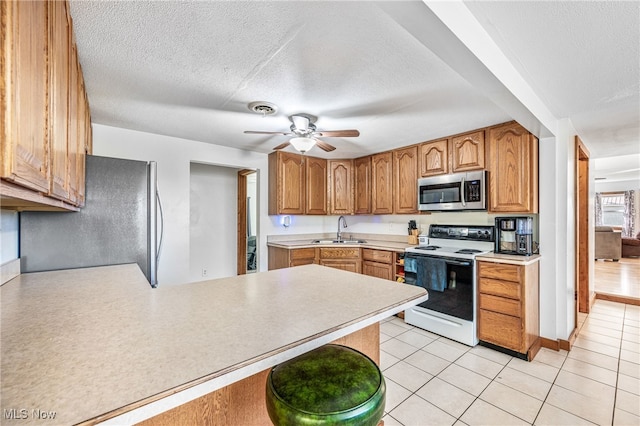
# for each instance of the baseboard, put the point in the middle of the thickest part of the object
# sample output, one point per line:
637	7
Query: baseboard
566	345
550	344
592	300
9	270
619	299
559	344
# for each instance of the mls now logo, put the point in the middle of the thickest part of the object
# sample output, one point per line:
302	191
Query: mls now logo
23	413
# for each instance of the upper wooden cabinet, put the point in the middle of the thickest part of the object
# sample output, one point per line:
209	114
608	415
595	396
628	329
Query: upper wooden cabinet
382	183
362	185
25	152
512	163
434	158
467	152
459	153
60	48
386	183
316	191
405	178
341	196
45	131
287	185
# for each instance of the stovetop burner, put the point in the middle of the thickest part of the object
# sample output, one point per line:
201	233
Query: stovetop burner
428	247
469	251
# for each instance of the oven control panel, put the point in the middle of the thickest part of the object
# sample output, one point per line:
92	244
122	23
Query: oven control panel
457	232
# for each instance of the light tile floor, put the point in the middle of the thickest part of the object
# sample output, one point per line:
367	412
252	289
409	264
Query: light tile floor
432	380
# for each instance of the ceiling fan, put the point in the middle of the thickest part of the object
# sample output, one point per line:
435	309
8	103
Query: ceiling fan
305	135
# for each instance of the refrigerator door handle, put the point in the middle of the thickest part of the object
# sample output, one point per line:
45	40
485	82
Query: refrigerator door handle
159	248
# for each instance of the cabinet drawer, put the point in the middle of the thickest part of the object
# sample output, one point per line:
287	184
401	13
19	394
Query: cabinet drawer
500	271
380	256
305	253
500	304
345	265
508	289
379	270
339	253
299	262
502	330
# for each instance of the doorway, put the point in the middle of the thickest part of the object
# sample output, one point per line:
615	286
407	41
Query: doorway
584	295
247	222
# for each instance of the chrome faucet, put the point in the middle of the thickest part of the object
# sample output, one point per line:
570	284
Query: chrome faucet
344	225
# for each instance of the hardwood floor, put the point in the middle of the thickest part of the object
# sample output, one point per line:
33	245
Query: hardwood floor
618	281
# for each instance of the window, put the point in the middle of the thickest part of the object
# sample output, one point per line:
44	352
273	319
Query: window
613	209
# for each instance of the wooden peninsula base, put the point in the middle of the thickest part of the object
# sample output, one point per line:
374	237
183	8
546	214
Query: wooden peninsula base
243	402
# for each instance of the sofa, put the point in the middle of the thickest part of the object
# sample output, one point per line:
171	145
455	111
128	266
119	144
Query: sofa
631	246
608	243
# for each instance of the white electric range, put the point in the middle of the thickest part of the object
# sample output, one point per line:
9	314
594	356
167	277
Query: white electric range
444	264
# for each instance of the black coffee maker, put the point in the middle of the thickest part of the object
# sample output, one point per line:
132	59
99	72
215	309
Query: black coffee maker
514	235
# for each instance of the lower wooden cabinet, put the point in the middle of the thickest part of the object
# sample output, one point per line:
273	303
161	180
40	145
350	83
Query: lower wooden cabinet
284	258
347	259
377	263
383	264
508	306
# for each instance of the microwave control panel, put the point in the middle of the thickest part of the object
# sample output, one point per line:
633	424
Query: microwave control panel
472	190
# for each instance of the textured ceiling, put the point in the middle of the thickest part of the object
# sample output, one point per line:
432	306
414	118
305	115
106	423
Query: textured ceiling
189	69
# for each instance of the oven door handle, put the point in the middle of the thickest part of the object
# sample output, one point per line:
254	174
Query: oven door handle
448	261
455	262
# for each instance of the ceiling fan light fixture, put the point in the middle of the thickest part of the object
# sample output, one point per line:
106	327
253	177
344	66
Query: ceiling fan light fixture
303	144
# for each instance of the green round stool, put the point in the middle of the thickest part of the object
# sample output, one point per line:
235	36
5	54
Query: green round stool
330	385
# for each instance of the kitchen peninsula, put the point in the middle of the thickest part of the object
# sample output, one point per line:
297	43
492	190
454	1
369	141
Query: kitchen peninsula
100	345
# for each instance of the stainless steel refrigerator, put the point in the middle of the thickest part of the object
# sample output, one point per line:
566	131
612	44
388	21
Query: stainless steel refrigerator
117	225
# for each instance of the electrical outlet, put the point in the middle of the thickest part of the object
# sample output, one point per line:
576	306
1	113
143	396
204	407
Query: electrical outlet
204	272
390	226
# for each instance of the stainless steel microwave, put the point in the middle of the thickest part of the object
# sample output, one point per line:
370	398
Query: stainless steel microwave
458	191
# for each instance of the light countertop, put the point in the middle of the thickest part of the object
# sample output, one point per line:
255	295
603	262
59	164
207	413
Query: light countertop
509	258
95	343
372	244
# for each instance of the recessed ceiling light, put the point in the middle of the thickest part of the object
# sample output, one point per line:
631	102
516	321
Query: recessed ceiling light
264	108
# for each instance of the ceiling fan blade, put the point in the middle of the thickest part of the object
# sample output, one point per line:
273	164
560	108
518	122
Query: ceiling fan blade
324	146
260	132
281	146
338	133
300	122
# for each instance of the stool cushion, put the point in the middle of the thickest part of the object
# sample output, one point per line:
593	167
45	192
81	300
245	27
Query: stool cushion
332	384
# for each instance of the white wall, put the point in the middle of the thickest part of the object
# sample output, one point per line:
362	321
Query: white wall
213	208
174	157
384	224
8	235
557	233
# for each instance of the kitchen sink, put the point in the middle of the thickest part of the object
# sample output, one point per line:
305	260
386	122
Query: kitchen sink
338	241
